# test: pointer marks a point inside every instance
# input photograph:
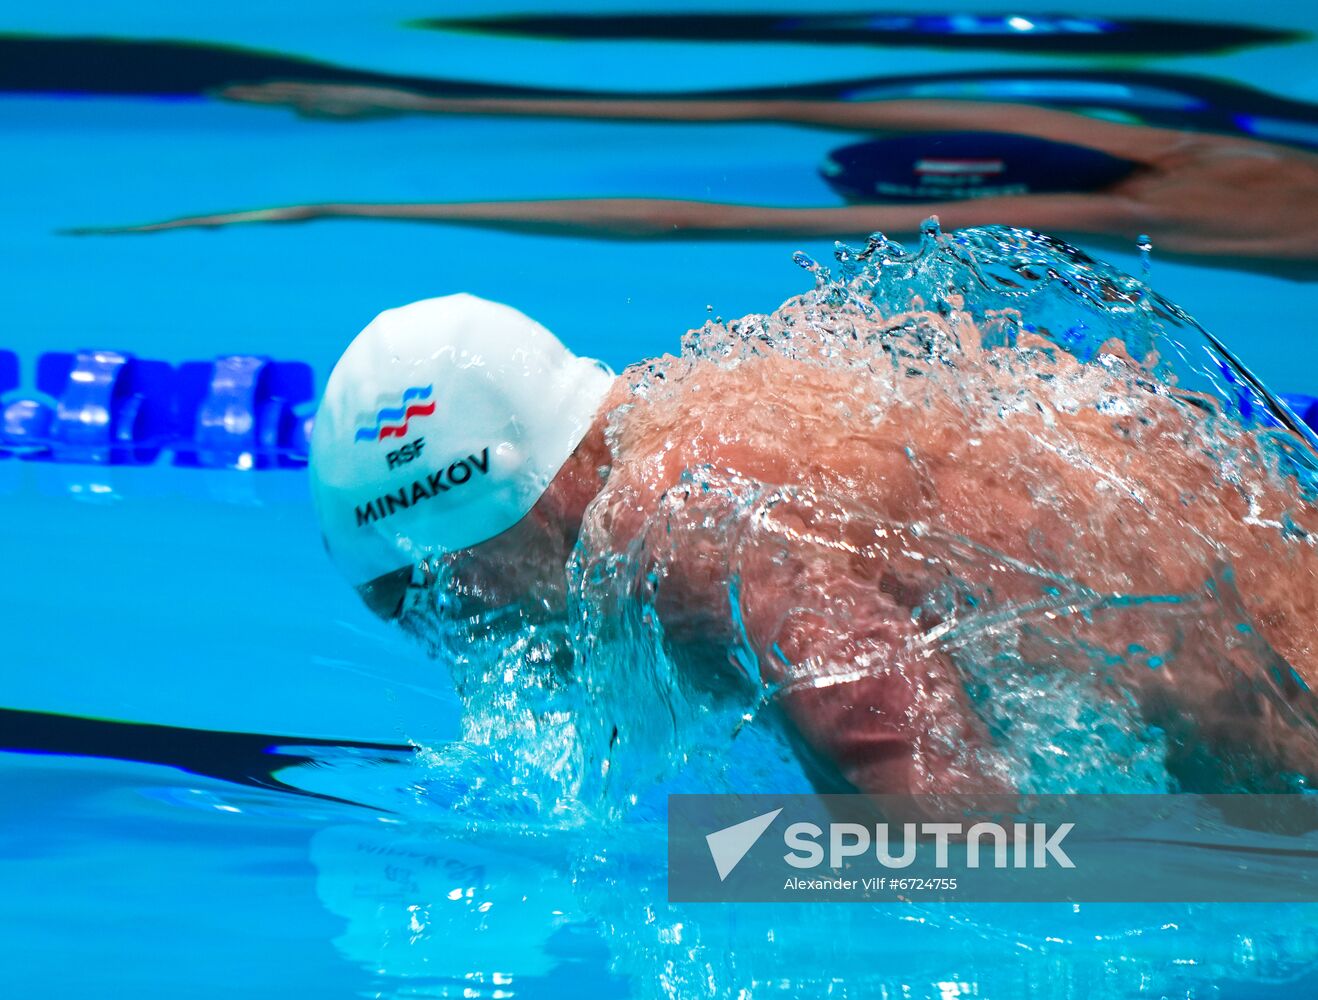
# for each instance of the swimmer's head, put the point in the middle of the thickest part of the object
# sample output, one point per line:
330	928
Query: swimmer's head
442	425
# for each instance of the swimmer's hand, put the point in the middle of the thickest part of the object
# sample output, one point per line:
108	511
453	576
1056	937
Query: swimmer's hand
320	100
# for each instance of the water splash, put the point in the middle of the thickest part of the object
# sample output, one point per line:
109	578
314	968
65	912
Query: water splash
1029	500
908	404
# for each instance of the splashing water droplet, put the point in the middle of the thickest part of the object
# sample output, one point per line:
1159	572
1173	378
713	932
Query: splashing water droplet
1146	249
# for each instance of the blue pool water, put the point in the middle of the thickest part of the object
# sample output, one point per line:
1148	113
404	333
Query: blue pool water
202	600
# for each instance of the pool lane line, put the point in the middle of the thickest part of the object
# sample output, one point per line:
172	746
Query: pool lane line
240	758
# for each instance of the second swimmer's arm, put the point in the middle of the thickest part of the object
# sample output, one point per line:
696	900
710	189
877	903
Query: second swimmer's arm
1135	142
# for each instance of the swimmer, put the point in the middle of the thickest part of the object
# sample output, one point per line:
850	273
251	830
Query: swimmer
457	432
1225	197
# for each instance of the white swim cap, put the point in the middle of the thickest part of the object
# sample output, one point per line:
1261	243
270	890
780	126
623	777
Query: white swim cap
441	426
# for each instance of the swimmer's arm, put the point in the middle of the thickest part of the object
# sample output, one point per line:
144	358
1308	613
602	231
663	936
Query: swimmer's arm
1134	142
654	218
351	100
861	692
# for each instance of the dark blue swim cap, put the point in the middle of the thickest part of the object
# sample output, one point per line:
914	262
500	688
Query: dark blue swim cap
948	166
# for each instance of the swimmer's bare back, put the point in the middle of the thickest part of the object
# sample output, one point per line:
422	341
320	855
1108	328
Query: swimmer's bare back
831	617
1195	193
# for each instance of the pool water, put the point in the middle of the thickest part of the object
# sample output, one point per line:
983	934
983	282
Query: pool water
350	864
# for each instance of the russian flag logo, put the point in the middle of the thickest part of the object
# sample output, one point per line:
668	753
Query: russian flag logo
391	421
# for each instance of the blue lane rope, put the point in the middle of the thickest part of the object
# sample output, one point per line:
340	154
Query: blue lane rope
113	408
237	411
